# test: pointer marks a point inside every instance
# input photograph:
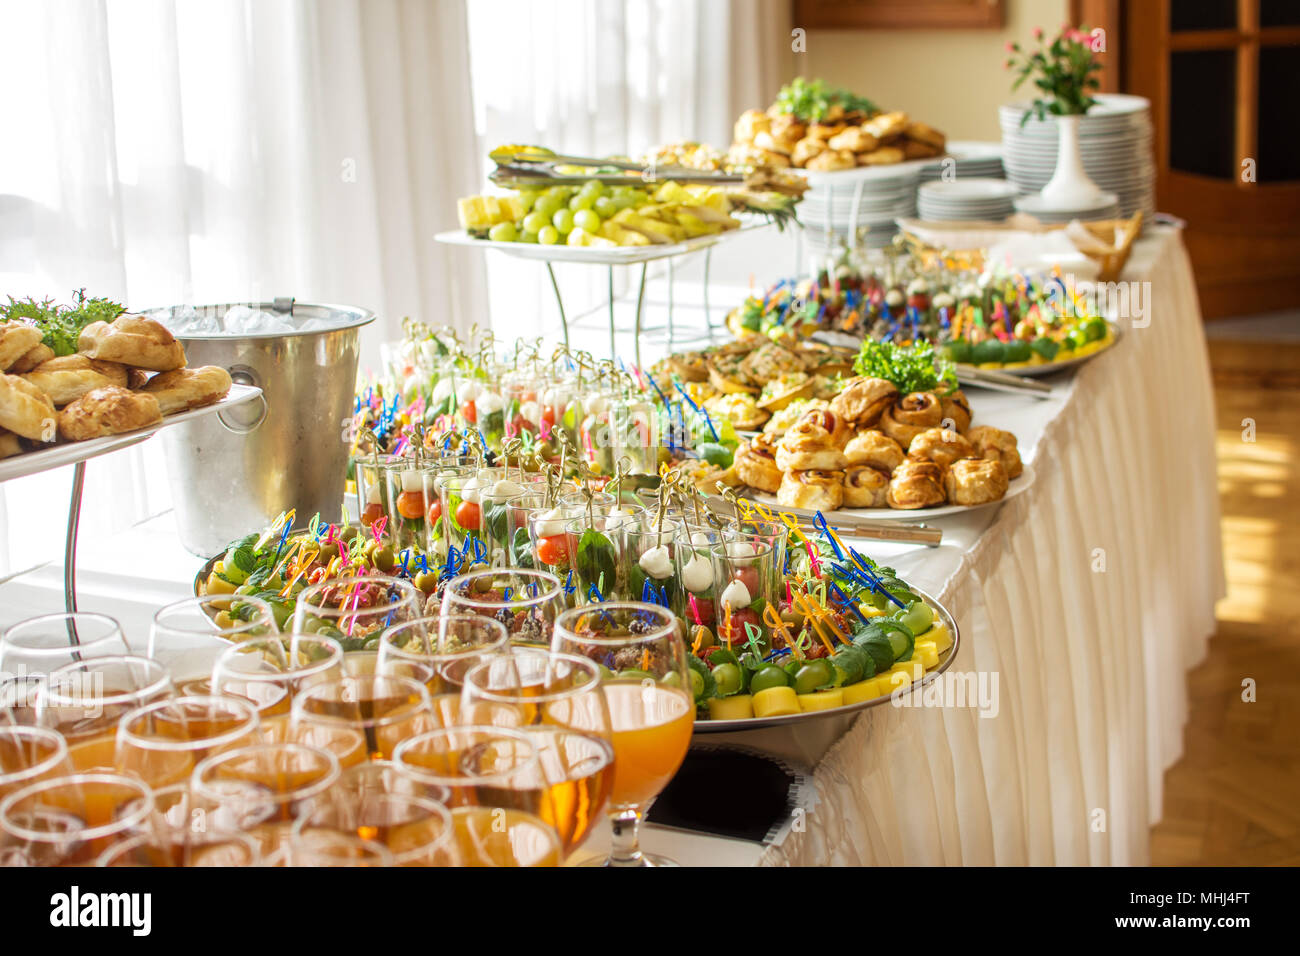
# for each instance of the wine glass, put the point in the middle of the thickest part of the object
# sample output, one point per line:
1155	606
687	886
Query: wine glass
181	637
71	820
525	602
271	671
313	845
29	754
384	709
498	796
651	707
161	742
84	701
415	829
355	610
186	829
447	646
557	700
41	644
221	849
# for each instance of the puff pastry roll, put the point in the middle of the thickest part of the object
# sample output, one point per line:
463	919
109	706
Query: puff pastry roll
66	378
956	409
916	483
814	490
756	464
107	411
940	446
997	445
975	481
25	410
875	449
809	447
16	340
865	487
132	340
186	388
906	419
864	400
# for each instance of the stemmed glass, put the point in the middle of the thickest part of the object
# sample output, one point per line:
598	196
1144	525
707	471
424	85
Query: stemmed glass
181	636
39	645
161	742
416	830
651	707
525	602
271	671
223	849
29	754
355	610
385	710
557	700
447	646
70	820
185	829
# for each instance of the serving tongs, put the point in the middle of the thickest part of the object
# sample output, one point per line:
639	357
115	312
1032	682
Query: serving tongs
1001	381
541	170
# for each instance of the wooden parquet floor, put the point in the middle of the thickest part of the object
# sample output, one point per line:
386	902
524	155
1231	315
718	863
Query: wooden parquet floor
1234	798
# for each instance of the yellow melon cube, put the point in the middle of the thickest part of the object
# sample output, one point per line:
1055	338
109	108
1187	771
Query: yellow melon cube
864	690
870	610
927	652
941	636
822	699
892	680
914	669
776	702
738	707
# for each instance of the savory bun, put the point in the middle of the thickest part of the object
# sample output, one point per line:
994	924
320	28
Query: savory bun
906	419
132	340
865	487
10	444
185	388
756	464
975	481
997	445
26	410
916	484
875	449
67	378
834	424
108	411
31	359
16	340
812	490
956	409
808	447
940	446
863	400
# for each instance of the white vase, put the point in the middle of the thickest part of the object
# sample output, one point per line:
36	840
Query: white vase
1069	188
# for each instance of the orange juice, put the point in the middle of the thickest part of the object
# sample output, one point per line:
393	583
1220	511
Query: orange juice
652	727
93	753
579	769
494	836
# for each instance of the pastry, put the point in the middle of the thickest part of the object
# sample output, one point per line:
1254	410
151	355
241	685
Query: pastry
10	444
786	418
922	133
865	487
832	160
997	445
975	481
886	126
906	419
186	388
67	378
941	446
31	359
956	410
806	149
756	464
137	377
26	410
132	340
108	411
814	490
824	131
750	124
16	340
884	156
808	446
855	140
875	449
863	400
914	150
786	130
916	484
835	425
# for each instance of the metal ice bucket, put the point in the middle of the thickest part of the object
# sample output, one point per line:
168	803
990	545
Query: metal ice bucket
234	472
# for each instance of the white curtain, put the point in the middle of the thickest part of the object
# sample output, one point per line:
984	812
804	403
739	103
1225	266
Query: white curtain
592	77
167	151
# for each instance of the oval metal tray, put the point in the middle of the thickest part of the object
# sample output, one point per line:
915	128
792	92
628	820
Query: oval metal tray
761	723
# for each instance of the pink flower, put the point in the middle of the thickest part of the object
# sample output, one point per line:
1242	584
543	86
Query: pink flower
1038	33
1011	47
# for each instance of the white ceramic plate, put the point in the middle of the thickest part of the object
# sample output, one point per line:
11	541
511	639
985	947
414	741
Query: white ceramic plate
71	452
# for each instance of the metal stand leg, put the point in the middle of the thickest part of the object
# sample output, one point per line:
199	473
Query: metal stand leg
564	323
636	326
70	549
613	348
708	314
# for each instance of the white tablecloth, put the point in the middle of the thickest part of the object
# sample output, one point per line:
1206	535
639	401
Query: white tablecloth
1089	596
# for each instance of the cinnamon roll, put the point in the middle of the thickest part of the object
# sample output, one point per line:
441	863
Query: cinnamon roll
906	419
955	409
834	424
814	490
864	400
808	447
865	487
975	481
997	445
940	446
756	464
916	483
875	449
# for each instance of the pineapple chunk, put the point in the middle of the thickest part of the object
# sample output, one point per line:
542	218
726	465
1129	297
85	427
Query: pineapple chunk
739	707
620	234
892	680
511	207
870	610
654	230
671	192
580	237
941	636
865	690
914	669
822	699
776	702
928	652
471	213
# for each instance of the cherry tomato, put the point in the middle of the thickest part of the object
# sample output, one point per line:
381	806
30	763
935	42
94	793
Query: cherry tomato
548	416
701	612
374	511
749	578
410	505
553	550
738	621
435	512
467	515
469	413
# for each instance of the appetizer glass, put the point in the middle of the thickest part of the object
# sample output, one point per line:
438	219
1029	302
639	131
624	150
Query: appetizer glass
270	671
550	543
647	563
525	602
497	534
635	425
71	820
373	486
771	532
354	610
651	707
695	571
745	583
162	742
557	700
413	504
498	795
518	543
462	513
29	754
384	709
594	548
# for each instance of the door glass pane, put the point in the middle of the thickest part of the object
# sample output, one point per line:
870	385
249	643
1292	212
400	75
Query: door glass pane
1279	13
1202	112
1202	15
1279	134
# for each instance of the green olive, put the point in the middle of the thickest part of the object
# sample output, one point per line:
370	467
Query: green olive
426	581
347	532
703	637
728	679
383	559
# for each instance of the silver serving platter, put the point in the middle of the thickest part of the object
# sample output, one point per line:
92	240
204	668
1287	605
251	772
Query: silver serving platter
1051	368
761	723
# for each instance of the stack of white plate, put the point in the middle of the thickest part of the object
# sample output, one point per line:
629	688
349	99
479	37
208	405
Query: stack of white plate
863	201
978	200
966	159
1106	207
1114	139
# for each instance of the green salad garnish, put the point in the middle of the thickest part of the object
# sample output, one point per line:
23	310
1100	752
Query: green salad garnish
811	100
61	325
918	368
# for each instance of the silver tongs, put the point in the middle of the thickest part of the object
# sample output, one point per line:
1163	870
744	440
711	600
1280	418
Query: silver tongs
541	168
1001	381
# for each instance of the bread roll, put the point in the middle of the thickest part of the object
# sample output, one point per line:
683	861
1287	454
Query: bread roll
185	388
108	411
67	378
26	410
132	340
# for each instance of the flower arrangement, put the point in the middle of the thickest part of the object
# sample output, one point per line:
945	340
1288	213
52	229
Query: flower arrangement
1063	71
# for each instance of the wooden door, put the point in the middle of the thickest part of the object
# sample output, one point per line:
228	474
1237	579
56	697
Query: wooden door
1223	77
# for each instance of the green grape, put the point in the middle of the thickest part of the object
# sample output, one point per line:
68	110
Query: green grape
626	201
529	197
534	221
548	205
563	222
548	235
582	201
593	188
605	207
528	237
502	232
588	220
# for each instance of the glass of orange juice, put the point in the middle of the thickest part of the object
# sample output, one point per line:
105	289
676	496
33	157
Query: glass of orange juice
386	710
646	682
161	742
71	820
29	754
271	671
447	646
